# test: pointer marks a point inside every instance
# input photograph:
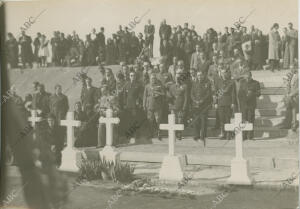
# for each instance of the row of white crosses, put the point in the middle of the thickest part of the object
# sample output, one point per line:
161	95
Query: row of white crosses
172	165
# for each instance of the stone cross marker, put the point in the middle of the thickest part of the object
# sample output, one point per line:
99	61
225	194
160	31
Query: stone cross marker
171	127
172	164
69	154
70	123
34	119
239	166
109	121
109	153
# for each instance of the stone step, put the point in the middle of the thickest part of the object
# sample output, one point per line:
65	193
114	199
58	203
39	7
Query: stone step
259	132
273	90
259	121
270	79
270	101
258	112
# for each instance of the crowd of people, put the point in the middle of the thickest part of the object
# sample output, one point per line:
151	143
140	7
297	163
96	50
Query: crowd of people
193	75
252	45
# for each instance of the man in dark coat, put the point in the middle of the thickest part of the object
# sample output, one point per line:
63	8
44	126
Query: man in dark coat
178	97
149	31
133	94
249	90
225	98
165	30
55	43
201	96
26	49
12	50
50	137
37	45
89	93
59	104
101	37
40	101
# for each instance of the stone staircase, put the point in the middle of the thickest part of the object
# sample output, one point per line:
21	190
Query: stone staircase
270	106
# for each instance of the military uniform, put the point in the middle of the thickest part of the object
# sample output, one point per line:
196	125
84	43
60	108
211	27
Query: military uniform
249	90
178	94
225	96
153	102
201	95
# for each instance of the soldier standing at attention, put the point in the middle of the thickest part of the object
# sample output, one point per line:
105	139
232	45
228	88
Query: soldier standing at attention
201	96
248	92
153	103
225	99
178	95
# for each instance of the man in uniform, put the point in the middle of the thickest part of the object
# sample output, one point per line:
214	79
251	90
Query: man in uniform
249	90
164	76
225	98
201	96
152	103
178	95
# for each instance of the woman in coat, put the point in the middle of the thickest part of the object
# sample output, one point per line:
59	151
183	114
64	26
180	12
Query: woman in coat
43	50
274	47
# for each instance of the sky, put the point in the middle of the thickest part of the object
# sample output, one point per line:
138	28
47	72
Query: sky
83	15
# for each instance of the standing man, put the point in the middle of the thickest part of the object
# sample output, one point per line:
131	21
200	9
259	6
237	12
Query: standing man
52	137
195	59
225	99
26	49
40	101
292	39
37	45
89	94
133	98
59	104
164	31
164	76
201	96
152	103
178	95
149	31
249	90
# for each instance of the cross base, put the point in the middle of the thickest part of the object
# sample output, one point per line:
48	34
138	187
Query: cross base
69	160
172	168
110	154
240	174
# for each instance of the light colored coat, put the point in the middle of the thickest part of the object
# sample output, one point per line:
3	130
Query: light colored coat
274	45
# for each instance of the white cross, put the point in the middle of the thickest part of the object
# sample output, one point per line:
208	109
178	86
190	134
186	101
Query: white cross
109	121
34	119
172	127
70	123
238	127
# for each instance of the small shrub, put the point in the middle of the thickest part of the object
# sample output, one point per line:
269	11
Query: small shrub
96	169
90	169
